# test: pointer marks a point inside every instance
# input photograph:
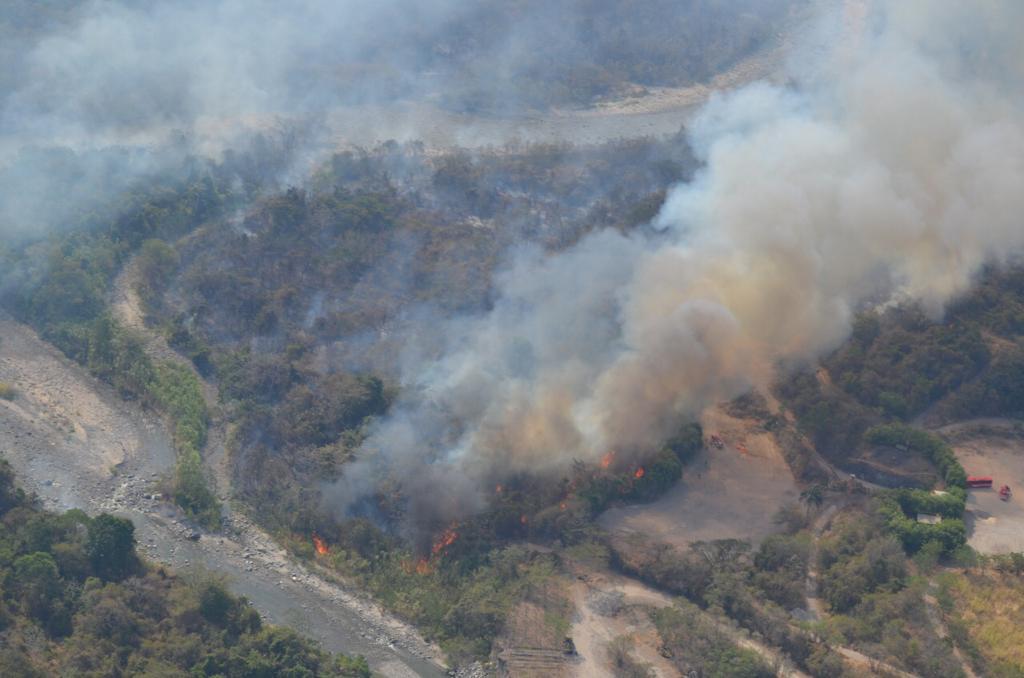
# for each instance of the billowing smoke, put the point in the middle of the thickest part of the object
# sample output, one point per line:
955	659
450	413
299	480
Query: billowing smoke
890	169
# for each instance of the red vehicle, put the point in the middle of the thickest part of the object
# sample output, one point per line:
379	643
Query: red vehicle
979	481
1004	493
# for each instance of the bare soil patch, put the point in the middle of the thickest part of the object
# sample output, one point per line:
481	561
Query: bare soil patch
728	493
65	428
608	607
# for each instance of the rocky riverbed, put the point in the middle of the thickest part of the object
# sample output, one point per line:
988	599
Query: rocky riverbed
75	443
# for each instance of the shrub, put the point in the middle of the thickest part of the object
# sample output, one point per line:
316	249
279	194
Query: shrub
950	532
111	546
156	261
178	392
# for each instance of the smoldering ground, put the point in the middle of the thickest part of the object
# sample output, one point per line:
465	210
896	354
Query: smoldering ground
889	170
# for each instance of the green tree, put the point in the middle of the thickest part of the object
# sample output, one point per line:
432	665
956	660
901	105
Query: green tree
111	547
36	584
157	261
813	496
215	603
14	662
10	495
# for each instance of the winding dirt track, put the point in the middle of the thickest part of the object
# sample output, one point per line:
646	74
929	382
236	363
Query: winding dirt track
593	630
814	605
938	623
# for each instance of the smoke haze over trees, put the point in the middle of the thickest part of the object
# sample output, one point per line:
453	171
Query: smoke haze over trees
884	170
96	95
883	174
423	289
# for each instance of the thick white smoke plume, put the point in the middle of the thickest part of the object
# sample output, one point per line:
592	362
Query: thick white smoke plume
893	168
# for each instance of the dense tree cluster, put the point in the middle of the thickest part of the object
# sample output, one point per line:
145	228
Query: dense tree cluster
290	304
644	480
864	578
75	599
61	285
901	362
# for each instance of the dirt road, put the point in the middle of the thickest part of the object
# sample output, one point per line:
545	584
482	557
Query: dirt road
609	606
815	608
73	441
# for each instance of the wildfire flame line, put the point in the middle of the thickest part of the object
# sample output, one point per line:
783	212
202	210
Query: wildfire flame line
446	539
423	564
320	545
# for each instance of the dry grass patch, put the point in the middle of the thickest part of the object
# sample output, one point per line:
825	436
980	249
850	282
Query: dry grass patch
990	610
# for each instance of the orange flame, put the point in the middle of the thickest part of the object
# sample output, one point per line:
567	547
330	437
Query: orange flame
607	459
320	545
639	473
498	488
446	539
523	519
563	506
421	566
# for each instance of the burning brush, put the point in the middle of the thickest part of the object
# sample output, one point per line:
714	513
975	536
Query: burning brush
424	565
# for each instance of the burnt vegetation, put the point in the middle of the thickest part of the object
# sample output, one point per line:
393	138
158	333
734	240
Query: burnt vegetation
293	306
298	302
299	305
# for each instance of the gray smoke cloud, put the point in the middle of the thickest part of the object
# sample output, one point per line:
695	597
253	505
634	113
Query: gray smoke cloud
124	88
891	169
